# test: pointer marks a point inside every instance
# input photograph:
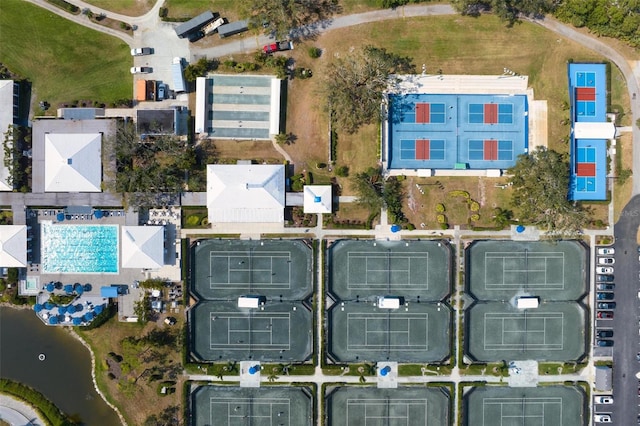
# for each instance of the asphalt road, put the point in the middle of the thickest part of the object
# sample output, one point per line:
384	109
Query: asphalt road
627	317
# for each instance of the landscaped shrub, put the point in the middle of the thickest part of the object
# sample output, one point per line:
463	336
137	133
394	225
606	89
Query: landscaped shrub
65	5
342	171
321	165
204	221
192	220
444	226
459	193
440	208
474	217
410	226
163	12
474	206
441	218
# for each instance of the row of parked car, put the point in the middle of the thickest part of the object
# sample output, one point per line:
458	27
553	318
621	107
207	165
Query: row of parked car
602	400
605	295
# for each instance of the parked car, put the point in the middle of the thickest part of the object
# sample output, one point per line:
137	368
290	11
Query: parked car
604	342
606	286
605	270
603	399
278	46
604	296
606	251
140	51
141	70
162	92
604	278
193	37
606	261
602	418
605	314
606	305
603	334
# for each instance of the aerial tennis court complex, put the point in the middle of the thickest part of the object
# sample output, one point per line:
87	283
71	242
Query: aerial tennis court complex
265	406
499	273
456	122
536	406
404	406
415	274
276	272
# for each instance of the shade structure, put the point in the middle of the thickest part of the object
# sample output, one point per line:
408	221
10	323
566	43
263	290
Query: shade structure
62	309
98	309
68	288
49	305
37	307
520	229
98	214
88	316
395	228
60	217
76	320
50	287
71	309
53	320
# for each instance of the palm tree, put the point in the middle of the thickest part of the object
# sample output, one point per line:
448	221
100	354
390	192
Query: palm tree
502	217
362	379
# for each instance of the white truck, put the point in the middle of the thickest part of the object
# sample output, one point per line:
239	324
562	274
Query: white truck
211	27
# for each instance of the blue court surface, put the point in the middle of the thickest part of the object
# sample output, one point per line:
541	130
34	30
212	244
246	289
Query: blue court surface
588	96
429	131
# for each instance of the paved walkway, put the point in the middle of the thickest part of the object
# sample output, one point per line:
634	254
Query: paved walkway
18	413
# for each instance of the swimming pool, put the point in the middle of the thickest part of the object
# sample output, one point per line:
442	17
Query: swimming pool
86	249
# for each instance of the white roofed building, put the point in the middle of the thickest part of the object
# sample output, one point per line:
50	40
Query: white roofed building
7	118
245	193
73	162
317	199
13	246
142	247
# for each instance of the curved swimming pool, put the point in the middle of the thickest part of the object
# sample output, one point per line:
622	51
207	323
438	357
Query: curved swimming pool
85	249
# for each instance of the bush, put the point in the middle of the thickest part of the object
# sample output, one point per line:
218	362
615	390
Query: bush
321	165
342	171
459	193
192	220
204	221
474	217
474	206
444	226
62	4
440	208
441	218
229	63
314	52
410	226
163	12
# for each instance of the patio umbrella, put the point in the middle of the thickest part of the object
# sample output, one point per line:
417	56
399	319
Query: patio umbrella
49	305
98	214
37	307
50	287
53	320
62	309
60	217
68	288
87	287
79	307
88	316
76	320
98	309
78	288
71	309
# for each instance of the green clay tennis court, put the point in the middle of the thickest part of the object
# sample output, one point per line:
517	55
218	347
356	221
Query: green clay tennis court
276	269
418	332
404	406
220	331
553	332
416	270
498	270
266	406
539	406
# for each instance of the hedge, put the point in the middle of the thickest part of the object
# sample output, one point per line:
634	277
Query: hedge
43	406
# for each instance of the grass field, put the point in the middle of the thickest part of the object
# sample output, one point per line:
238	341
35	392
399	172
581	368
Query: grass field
189	8
124	7
63	60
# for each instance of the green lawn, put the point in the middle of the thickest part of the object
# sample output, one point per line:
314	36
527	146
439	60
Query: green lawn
189	8
124	7
63	60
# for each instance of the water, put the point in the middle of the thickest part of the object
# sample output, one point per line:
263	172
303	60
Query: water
79	248
64	377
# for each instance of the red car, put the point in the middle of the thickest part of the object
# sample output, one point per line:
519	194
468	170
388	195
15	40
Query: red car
605	314
278	46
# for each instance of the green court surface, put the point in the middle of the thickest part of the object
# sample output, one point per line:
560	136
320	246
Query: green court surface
498	270
544	405
220	331
276	269
404	406
415	270
498	331
265	406
419	332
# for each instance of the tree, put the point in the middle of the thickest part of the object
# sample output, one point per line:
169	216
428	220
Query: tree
199	68
368	185
507	10
540	182
282	18
502	217
353	85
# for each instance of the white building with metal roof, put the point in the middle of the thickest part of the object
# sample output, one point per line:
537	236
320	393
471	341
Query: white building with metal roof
73	162
13	246
142	247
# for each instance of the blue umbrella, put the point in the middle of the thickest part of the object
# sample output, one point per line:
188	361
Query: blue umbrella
87	287
53	320
49	305
60	217
98	214
62	309
88	316
98	309
68	288
50	287
77	287
71	309
395	228
520	229
37	307
79	307
77	320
